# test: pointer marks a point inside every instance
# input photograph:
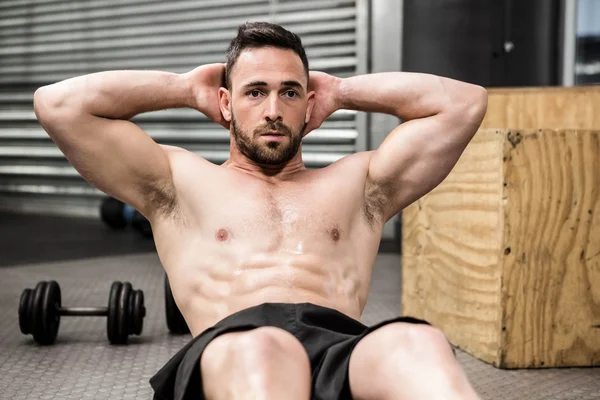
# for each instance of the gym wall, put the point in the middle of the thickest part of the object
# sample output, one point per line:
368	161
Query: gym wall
493	43
44	41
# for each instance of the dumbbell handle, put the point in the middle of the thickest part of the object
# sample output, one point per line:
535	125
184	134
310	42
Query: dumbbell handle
84	311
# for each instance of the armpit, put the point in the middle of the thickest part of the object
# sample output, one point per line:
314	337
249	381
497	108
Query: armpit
376	201
161	201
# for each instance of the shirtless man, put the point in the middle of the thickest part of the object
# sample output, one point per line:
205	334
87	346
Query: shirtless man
270	263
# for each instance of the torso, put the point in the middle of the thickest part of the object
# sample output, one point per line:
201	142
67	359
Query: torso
235	241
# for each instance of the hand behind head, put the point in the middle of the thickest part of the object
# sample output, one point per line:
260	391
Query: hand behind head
326	100
206	81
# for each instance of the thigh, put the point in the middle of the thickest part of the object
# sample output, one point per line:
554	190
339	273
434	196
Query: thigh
180	376
331	378
386	356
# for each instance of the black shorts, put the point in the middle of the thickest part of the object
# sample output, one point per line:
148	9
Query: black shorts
328	336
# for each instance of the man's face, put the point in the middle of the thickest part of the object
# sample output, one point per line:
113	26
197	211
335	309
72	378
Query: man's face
269	104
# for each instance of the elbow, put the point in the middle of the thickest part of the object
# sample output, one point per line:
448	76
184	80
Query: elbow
473	104
468	110
466	99
42	104
479	104
47	109
45	102
49	103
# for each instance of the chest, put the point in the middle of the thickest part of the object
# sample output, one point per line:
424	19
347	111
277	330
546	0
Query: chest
313	210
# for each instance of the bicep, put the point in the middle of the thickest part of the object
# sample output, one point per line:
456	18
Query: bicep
115	156
416	157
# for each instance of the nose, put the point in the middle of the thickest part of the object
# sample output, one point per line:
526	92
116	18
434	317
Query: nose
273	109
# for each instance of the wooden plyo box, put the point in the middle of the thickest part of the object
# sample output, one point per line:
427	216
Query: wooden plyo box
504	255
576	107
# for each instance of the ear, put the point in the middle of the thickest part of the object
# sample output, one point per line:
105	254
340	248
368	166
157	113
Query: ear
309	105
225	103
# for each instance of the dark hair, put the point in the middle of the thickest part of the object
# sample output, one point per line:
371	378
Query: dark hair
262	34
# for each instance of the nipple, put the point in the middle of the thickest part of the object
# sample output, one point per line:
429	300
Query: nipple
222	235
335	234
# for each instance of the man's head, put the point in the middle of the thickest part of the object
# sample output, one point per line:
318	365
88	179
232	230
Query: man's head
266	92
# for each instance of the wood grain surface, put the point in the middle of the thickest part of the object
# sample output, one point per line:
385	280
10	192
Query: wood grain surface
451	250
504	255
544	107
551	270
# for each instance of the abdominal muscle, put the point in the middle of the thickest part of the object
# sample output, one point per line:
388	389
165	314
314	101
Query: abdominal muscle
215	282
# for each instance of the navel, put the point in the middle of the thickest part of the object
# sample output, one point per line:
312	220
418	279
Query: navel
222	235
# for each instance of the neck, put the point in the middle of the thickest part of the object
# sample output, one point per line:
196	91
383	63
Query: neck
279	172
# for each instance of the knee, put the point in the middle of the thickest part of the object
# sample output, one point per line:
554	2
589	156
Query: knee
416	341
254	349
264	344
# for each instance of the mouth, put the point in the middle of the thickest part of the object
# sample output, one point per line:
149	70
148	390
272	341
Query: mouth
272	133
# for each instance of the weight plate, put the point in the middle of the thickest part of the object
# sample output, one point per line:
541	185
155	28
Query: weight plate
139	312
24	320
112	322
130	320
124	300
51	304
175	321
37	326
30	307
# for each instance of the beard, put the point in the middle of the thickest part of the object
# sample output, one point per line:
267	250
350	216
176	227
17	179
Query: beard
270	152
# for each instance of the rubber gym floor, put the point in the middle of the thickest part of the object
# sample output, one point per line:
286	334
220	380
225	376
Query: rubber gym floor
85	257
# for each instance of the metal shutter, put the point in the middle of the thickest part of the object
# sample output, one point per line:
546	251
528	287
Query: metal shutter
45	41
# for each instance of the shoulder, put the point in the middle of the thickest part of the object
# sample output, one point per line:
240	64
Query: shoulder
349	170
174	151
355	168
178	156
356	162
188	169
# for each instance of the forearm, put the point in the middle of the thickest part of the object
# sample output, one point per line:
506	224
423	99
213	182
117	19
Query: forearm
118	94
406	95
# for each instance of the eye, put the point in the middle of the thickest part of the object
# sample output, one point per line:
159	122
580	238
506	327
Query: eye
254	93
291	94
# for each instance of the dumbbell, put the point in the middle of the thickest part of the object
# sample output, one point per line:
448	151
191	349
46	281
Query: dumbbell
40	310
175	321
118	215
